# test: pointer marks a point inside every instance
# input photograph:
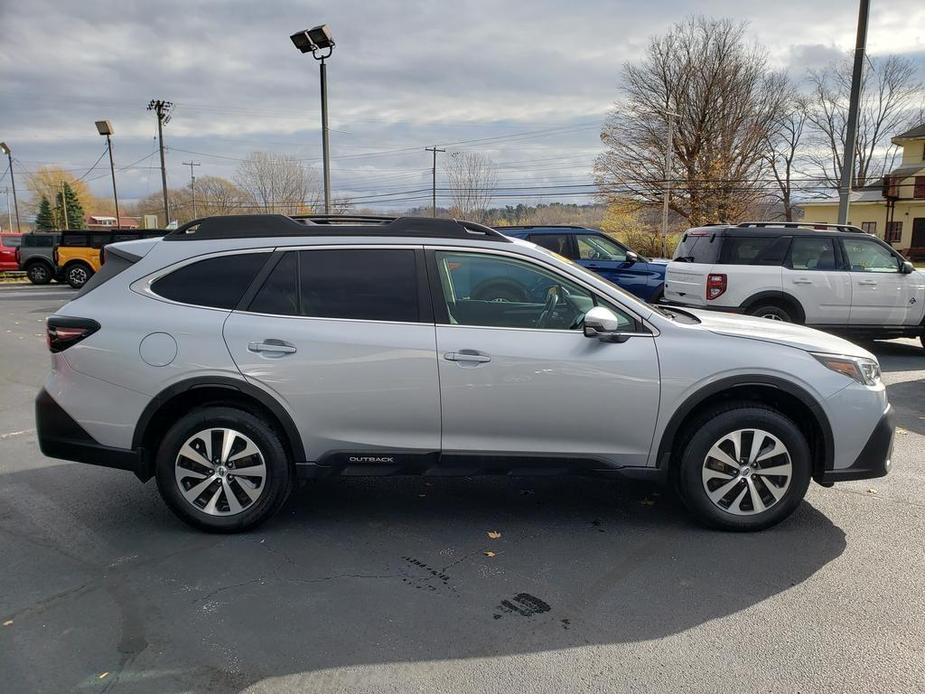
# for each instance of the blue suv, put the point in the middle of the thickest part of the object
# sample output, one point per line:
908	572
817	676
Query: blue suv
601	254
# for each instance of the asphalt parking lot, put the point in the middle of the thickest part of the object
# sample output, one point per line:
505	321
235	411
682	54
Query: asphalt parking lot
393	585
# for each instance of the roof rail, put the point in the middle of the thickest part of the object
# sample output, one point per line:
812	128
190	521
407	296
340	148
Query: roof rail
819	226
270	225
540	226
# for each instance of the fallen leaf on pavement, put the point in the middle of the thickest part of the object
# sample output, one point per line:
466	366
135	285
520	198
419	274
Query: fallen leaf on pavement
8	622
488	553
494	534
647	502
871	491
103	674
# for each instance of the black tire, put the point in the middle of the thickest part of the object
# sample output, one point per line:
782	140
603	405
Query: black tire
772	312
277	483
706	431
78	274
39	273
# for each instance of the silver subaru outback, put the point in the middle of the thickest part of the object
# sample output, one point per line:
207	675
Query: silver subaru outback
237	355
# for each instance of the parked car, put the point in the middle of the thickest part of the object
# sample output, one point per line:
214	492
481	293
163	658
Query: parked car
238	354
36	256
9	243
599	253
78	255
833	277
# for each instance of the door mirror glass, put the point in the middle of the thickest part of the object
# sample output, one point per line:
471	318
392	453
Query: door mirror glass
907	267
602	323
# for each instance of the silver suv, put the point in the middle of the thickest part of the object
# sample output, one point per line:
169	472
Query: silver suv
239	354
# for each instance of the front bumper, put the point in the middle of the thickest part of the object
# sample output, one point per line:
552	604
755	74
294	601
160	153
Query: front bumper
62	437
874	458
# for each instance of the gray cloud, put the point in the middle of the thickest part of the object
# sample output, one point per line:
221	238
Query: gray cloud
404	75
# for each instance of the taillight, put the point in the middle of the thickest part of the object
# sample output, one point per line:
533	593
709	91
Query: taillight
64	331
716	285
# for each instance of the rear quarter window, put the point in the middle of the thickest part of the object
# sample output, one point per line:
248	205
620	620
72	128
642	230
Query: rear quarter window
754	250
698	246
217	282
11	241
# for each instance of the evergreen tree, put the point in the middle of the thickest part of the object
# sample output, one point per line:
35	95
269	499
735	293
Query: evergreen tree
75	211
45	219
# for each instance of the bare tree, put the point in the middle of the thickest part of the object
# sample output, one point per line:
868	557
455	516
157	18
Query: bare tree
888	94
218	196
726	100
472	178
278	183
784	151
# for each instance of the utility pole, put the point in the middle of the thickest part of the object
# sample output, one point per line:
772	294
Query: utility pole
9	153
434	149
67	224
847	164
161	109
9	211
666	195
192	182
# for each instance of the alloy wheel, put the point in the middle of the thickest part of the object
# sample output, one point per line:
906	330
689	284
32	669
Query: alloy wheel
220	471
747	472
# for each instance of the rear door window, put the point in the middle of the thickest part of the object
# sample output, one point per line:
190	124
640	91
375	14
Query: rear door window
810	253
359	284
217	282
557	243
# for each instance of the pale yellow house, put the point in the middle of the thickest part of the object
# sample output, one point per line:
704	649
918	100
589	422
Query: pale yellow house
893	208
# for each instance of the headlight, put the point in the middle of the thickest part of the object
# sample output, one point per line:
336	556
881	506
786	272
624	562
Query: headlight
861	369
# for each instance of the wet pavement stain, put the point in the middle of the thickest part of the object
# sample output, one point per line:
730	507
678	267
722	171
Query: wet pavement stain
524	604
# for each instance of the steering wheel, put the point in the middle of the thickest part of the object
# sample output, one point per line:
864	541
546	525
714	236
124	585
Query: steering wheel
552	299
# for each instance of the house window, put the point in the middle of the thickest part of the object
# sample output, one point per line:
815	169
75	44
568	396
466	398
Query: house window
869	228
894	232
919	190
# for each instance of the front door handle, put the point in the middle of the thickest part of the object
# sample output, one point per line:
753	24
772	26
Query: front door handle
868	283
275	347
470	356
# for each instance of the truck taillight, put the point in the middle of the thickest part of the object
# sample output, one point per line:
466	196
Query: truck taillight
65	331
716	285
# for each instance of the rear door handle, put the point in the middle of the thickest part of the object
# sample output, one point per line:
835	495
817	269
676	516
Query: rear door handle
467	355
276	347
802	280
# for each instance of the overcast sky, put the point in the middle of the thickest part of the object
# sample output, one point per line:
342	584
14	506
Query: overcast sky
527	82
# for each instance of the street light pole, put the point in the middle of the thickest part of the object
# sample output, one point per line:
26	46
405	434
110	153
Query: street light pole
104	127
9	154
192	183
847	164
316	41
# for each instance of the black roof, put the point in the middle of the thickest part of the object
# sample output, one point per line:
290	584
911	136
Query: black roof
274	225
795	228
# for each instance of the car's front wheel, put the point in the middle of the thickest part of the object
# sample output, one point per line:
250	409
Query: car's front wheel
744	467
222	469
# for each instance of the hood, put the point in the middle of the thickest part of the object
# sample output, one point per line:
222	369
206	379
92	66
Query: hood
766	330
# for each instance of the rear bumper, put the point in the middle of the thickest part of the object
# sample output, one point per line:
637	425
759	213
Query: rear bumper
60	436
874	458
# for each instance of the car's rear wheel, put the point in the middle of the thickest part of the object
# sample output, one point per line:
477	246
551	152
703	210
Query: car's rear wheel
78	274
772	312
744	467
222	469
39	273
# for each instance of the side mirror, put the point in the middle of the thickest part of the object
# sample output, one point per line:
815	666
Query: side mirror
631	257
601	323
907	267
